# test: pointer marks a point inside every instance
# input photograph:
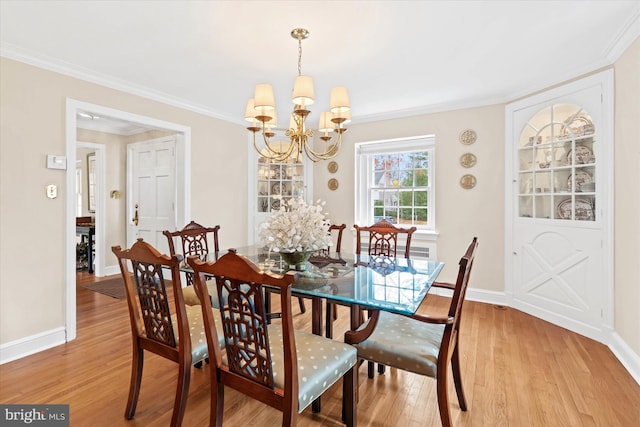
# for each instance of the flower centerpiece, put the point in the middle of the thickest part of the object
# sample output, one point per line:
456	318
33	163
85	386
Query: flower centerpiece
296	230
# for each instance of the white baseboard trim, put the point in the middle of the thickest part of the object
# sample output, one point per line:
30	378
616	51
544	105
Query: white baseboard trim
629	359
474	294
32	344
111	270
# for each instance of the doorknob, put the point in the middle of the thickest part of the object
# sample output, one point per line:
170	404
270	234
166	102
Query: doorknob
135	215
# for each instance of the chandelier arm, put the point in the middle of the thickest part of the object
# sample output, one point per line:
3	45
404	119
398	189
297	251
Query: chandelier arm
277	152
326	155
271	154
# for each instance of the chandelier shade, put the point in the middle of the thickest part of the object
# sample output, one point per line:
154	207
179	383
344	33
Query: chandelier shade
261	112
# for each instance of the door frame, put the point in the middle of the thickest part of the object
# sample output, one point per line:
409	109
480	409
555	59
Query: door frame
183	181
603	79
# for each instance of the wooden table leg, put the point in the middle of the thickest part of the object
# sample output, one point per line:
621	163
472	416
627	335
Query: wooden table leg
316	328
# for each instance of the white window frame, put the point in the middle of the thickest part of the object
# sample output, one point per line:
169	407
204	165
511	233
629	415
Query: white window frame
363	180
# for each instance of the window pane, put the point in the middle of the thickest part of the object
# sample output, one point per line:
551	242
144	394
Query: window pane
398	188
420	216
420	198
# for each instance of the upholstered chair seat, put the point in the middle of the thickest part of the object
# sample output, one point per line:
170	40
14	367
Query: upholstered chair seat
191	298
404	343
199	350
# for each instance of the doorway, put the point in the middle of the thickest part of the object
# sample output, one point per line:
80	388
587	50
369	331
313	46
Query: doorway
183	189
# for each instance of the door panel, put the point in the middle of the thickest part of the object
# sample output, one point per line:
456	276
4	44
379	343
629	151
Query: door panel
153	191
558	270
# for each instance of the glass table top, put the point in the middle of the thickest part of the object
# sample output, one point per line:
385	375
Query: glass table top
391	284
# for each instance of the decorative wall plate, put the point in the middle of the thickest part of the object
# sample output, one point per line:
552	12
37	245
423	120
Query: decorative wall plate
468	181
468	137
332	167
333	184
468	160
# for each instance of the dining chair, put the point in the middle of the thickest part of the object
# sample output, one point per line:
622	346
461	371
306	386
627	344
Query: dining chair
422	344
273	363
382	244
195	240
383	239
161	323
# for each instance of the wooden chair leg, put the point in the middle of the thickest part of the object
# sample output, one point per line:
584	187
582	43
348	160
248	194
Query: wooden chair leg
216	412
443	400
182	391
303	309
371	369
457	378
349	397
381	368
136	379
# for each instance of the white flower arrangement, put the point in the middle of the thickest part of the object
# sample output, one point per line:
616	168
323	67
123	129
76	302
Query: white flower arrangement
296	227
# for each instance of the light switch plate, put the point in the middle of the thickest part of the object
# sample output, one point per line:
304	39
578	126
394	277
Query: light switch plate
52	191
56	162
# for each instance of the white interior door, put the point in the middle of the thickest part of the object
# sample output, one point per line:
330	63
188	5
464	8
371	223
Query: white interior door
152	190
559	206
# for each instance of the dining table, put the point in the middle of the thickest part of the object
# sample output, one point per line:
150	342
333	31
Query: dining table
359	281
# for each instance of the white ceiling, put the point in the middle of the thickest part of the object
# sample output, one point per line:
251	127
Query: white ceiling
397	58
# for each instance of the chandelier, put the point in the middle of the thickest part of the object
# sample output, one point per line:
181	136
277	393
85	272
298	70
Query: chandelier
261	111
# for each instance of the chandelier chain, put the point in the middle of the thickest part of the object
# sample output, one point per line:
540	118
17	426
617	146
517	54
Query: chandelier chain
299	57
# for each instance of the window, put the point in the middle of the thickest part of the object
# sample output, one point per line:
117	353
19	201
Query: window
395	182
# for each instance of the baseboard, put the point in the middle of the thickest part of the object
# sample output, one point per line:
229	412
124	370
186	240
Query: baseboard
474	294
111	270
32	344
629	359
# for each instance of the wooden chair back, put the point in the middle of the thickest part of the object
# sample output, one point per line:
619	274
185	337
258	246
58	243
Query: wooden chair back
383	239
244	322
195	242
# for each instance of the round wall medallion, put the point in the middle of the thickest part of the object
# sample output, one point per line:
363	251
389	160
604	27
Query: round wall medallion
468	160
468	181
468	137
333	184
332	167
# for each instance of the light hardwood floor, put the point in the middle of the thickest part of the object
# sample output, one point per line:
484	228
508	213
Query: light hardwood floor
517	371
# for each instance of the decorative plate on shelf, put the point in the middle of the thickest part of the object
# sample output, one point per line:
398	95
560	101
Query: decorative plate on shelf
577	126
582	177
278	189
583	210
583	155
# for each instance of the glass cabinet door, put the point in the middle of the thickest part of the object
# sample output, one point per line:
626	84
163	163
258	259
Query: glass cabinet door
557	164
285	179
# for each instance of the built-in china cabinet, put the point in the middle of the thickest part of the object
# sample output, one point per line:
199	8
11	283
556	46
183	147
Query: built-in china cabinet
273	182
559	204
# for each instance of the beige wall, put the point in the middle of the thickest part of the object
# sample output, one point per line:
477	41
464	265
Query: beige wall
627	197
460	214
219	176
32	235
